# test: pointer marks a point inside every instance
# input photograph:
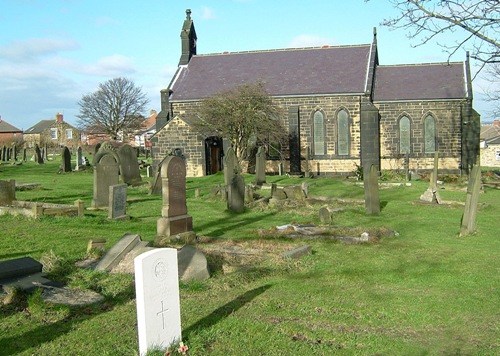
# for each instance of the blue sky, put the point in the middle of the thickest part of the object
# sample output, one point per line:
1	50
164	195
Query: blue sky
54	51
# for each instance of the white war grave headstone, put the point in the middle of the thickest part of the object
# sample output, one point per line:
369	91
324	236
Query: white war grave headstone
157	299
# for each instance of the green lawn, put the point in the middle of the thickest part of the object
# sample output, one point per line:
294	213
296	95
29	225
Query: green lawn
425	291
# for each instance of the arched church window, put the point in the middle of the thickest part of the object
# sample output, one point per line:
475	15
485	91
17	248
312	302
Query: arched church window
318	133
429	134
342	133
404	135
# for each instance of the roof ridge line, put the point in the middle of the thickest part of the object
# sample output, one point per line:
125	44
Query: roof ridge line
281	50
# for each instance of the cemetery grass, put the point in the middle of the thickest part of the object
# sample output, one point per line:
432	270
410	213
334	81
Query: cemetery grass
423	291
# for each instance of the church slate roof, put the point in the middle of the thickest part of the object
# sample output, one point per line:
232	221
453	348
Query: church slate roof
299	71
5	127
420	82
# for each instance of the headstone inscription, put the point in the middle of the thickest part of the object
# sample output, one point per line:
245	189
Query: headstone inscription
106	169
117	201
174	219
65	160
157	299
129	167
372	199
470	211
260	166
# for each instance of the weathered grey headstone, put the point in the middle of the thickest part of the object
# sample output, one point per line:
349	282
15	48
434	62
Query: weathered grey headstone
236	194
325	215
25	156
126	244
230	166
157	299
106	169
260	166
96	244
65	160
79	159
468	225
192	264
372	200
46	152
174	217
117	201
3	153
38	155
7	191
129	166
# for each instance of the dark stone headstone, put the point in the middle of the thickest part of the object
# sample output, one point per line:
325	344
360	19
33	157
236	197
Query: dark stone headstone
370	137
174	219
38	155
117	201
294	140
106	169
14	152
3	153
19	267
129	166
25	156
7	191
372	200
236	194
65	160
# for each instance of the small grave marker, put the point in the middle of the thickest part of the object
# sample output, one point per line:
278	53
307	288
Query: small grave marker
157	298
117	201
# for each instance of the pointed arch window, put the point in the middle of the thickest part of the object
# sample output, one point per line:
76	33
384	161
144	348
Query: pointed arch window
342	133
404	135
319	133
429	134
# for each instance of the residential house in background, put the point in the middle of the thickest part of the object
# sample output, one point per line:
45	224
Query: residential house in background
9	134
490	144
142	136
54	133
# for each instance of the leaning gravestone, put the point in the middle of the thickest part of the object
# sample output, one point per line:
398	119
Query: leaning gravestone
7	191
260	166
372	200
106	169
117	201
38	155
129	167
66	160
174	219
473	187
157	299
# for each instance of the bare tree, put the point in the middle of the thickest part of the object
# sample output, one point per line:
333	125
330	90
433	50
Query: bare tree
476	22
245	116
115	107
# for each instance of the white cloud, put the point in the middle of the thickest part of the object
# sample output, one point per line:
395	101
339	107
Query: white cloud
111	66
208	13
310	41
32	48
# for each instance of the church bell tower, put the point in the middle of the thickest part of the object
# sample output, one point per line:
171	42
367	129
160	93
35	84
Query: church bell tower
188	39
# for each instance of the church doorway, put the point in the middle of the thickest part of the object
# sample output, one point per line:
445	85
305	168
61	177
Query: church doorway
213	155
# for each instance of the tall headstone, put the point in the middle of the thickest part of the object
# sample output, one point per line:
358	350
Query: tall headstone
129	166
117	201
230	166
431	195
260	166
157	299
46	152
79	159
14	152
3	153
106	169
294	140
468	225
236	194
7	191
174	219
38	155
372	200
65	160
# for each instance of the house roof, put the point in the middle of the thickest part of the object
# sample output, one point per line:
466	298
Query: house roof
39	127
490	131
420	82
298	71
5	127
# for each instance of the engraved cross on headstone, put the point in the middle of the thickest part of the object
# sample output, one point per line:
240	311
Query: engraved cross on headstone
162	312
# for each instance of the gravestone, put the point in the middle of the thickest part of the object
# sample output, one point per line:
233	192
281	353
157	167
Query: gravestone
14	154
174	219
230	166
431	195
25	156
157	299
236	194
3	153
106	169
7	191
65	160
260	166
117	201
470	211
79	159
294	140
372	200
129	167
192	264
38	155
46	153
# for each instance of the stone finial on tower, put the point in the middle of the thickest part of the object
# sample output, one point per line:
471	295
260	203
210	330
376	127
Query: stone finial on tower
188	39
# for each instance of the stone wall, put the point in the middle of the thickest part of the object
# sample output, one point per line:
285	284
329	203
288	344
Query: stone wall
489	156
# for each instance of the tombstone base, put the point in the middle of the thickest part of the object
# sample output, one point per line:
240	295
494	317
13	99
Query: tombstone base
174	225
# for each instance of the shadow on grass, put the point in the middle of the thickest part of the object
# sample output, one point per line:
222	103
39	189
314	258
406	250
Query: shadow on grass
18	254
225	310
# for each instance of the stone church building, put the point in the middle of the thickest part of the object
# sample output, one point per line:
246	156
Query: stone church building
343	107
